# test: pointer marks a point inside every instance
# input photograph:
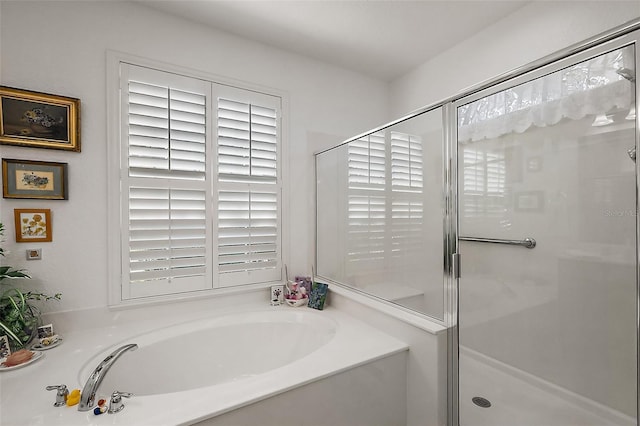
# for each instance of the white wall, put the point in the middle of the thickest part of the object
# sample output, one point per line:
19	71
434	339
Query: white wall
532	32
62	51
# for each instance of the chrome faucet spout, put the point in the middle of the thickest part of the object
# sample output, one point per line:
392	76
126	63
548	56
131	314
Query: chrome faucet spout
88	395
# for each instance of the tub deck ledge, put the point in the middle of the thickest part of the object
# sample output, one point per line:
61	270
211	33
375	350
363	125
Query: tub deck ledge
25	401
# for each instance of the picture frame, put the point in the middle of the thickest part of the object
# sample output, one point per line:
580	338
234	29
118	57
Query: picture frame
318	295
5	349
33	225
39	120
45	331
28	179
529	201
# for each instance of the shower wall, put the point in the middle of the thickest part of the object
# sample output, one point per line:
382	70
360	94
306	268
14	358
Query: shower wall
564	310
380	214
547	158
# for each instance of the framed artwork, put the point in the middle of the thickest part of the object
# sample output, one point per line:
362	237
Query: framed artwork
318	296
34	179
33	225
39	120
5	350
529	201
45	331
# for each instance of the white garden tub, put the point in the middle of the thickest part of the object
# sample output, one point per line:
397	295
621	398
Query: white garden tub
258	365
214	351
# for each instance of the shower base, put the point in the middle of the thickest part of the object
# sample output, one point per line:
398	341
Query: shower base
520	399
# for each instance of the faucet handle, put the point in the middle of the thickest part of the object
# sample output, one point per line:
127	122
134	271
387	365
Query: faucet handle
116	404
61	395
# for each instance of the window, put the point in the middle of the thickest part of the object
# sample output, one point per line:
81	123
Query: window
200	184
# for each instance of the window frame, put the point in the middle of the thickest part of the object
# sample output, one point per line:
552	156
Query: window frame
117	293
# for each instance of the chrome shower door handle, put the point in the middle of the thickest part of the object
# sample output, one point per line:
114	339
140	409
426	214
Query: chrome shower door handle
527	242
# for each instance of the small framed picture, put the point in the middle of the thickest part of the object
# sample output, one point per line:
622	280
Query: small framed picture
33	225
5	350
277	295
39	120
34	179
45	331
318	296
529	201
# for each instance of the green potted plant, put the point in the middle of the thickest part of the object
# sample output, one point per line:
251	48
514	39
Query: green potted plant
19	317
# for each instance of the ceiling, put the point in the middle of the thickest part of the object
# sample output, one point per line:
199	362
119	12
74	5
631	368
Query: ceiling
383	39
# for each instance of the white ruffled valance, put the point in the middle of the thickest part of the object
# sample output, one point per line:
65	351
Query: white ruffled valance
589	88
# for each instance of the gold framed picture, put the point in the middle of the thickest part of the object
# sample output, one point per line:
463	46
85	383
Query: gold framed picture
39	120
33	225
34	179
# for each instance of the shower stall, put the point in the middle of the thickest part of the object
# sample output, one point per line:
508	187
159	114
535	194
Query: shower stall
507	214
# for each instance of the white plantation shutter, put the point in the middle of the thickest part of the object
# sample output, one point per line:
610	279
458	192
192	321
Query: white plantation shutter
167	234
407	223
167	248
249	194
385	203
366	232
367	162
200	184
247	141
366	203
406	162
247	230
166	132
483	187
406	202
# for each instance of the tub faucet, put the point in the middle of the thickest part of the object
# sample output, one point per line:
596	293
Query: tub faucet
88	395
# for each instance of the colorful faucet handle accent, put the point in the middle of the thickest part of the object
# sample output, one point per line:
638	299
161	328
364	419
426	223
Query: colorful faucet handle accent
101	409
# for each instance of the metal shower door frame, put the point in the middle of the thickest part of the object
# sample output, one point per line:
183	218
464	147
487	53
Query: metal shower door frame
623	36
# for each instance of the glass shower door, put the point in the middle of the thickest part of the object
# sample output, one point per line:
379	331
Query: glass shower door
547	334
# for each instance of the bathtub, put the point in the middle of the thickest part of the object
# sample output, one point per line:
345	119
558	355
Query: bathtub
251	365
224	349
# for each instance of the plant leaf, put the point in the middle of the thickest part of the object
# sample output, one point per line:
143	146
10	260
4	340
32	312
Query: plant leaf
11	333
7	272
